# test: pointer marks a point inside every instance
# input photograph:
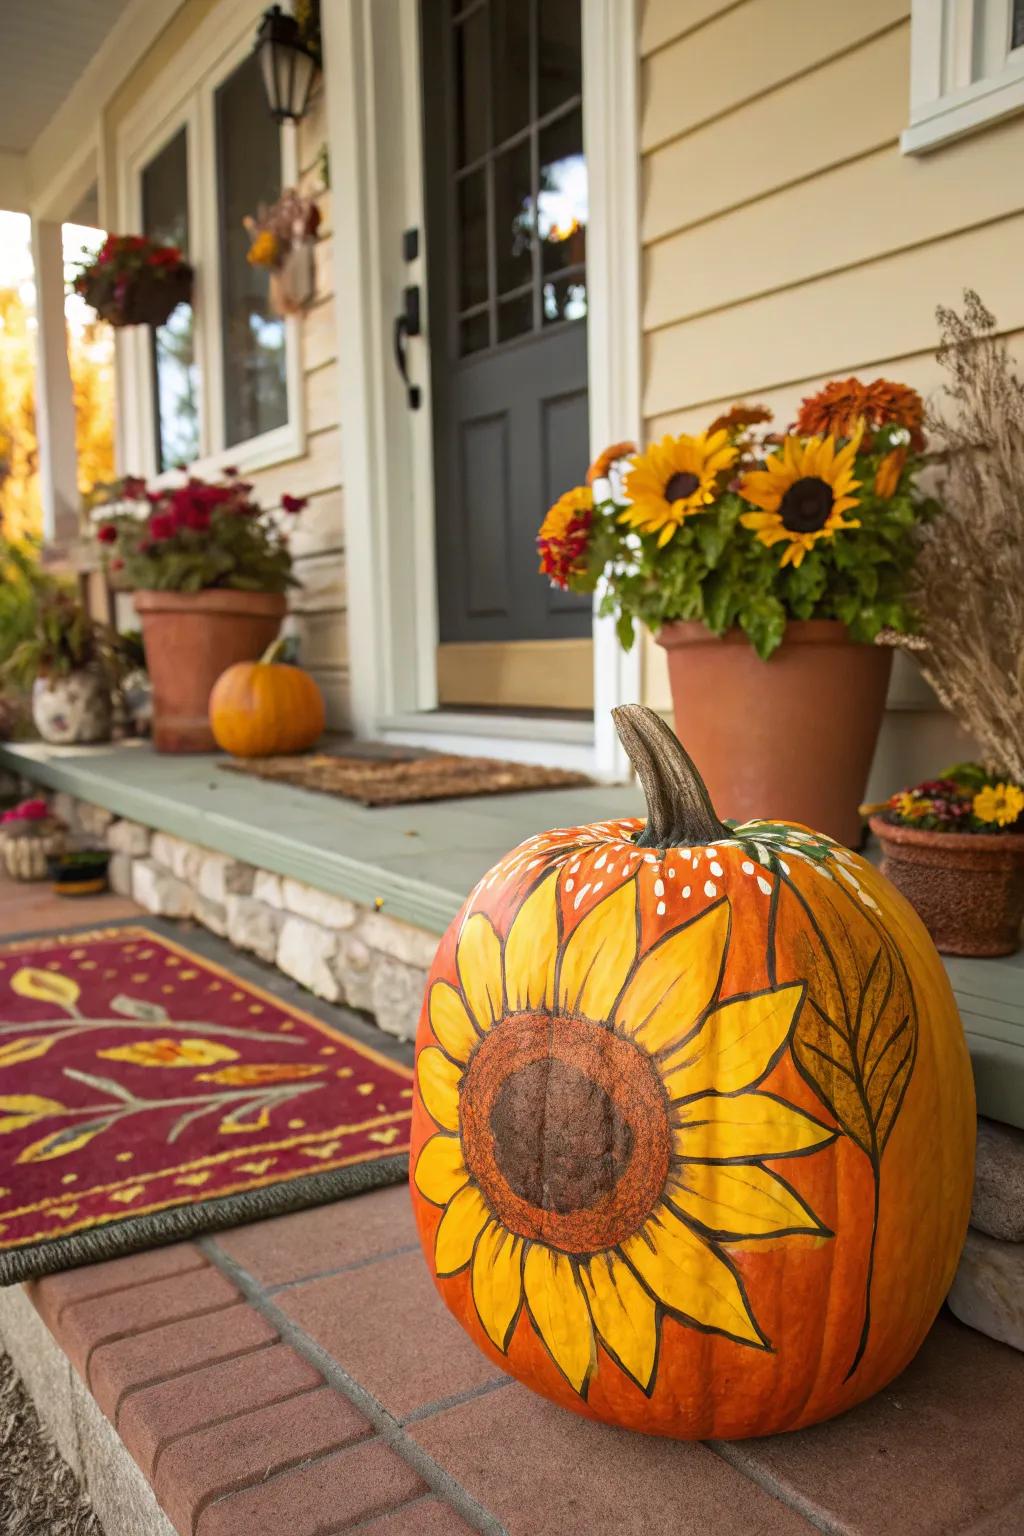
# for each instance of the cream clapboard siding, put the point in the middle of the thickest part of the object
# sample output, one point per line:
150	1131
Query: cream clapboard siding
318	614
786	240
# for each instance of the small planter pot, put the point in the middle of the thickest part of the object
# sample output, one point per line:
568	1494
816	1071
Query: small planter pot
148	300
791	738
28	857
968	888
81	873
73	710
190	639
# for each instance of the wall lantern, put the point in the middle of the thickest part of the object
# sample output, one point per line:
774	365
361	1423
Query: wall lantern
287	64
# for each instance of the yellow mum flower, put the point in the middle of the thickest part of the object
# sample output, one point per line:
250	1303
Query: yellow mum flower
559	1058
802	494
264	250
674	478
999	803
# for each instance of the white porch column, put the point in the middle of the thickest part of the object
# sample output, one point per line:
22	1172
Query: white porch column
55	410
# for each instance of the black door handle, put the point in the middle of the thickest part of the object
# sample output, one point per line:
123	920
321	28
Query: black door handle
407	324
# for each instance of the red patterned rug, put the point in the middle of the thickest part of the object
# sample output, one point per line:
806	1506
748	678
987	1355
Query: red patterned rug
147	1094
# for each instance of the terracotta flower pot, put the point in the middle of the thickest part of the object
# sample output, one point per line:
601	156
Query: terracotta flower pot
790	738
190	639
967	887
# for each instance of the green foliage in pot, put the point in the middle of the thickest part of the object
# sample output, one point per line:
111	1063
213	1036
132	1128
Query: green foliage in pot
64	640
195	536
740	526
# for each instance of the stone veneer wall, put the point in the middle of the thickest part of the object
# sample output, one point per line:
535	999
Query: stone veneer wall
342	952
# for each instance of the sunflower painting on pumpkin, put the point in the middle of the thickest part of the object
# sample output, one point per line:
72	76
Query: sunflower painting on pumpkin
559	1059
801	495
675	478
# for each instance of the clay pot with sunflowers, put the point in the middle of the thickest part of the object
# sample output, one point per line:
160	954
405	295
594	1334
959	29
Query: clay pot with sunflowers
694	1122
955	847
765	565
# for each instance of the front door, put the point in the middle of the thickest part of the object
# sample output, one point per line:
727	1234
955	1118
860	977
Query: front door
506	201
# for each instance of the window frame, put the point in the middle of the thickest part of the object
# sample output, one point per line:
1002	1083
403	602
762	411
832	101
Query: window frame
184	96
963	73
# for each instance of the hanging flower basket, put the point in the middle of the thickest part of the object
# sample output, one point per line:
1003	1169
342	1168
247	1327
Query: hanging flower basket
135	281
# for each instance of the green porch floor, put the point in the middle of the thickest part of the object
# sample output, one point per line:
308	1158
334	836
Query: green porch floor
421	860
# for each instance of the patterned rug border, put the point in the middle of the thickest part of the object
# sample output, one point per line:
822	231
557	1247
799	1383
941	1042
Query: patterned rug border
176	1223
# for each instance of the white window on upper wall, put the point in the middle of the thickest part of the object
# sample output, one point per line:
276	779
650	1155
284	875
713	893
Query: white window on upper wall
966	68
221	382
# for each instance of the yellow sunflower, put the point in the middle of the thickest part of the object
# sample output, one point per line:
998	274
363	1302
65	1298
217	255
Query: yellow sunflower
674	478
601	1137
802	493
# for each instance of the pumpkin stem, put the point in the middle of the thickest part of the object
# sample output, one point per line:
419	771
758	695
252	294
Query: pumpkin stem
679	809
273	651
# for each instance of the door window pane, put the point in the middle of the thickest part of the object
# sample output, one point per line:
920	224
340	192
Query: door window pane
472	88
559	58
474	333
249	173
510	67
471	202
1017	25
564	299
562	204
515	316
513	217
175	376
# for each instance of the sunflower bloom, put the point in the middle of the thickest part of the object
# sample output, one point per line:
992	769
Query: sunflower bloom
999	803
564	536
672	479
802	494
887	475
600	1136
604	461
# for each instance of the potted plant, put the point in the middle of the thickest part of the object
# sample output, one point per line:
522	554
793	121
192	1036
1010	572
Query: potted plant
209	568
32	835
955	847
765	565
134	281
71	664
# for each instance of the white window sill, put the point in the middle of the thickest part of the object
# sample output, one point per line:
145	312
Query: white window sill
265	452
963	112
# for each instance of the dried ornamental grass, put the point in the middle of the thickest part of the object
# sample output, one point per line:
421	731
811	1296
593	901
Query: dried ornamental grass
968	578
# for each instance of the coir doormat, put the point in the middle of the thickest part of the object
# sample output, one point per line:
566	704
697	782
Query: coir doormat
148	1094
390	781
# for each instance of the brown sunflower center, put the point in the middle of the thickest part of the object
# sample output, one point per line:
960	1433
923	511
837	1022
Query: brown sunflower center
565	1129
806	505
682	484
559	1140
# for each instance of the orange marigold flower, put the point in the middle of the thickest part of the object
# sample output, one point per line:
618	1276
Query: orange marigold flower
887	476
604	461
845	405
740	416
564	536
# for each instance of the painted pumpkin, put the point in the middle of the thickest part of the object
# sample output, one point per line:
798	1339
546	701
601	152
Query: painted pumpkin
694	1123
262	708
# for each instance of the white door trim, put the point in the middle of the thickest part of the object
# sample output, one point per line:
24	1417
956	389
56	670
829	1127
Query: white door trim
374	135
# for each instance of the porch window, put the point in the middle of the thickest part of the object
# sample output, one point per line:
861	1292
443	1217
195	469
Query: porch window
221	381
967	68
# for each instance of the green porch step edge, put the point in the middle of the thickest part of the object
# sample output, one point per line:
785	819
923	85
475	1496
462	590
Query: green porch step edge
989	993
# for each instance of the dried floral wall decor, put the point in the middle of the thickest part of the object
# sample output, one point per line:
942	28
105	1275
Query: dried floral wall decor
283	239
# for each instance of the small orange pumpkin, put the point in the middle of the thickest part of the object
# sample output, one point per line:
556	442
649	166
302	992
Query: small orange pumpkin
263	708
694	1122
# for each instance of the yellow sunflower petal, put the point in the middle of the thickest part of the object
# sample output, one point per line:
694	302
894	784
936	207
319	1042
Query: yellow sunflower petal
559	1312
497	1281
598	956
439	1083
440	1170
624	1315
737	1202
744	1129
450	1022
690	1277
461	1225
737	1044
531	949
675	982
478	958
